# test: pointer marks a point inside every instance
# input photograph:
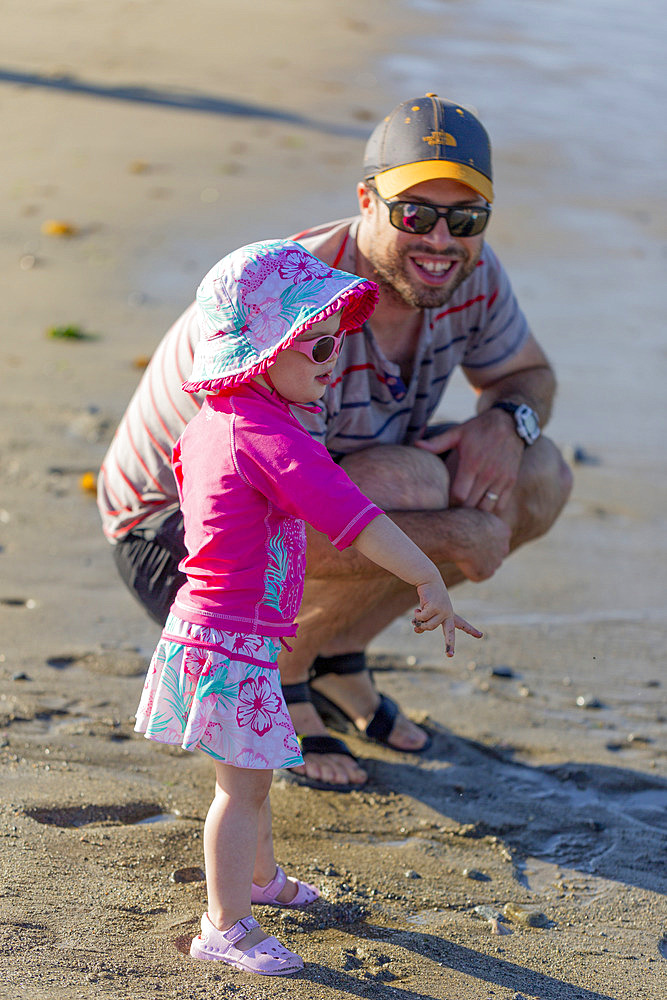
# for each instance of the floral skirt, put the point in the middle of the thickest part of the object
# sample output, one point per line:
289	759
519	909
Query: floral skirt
218	692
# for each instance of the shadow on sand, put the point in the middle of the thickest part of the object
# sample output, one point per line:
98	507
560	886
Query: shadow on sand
605	821
454	957
182	100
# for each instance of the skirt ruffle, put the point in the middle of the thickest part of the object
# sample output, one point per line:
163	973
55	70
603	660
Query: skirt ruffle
201	698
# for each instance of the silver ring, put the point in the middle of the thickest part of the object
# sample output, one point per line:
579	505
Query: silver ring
490	495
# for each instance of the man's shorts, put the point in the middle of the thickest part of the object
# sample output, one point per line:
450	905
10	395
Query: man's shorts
148	564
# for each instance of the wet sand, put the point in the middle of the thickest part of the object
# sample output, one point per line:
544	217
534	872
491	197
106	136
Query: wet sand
524	855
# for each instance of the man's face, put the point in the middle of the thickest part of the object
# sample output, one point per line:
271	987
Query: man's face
422	271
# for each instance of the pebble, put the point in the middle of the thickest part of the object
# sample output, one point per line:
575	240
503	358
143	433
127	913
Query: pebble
476	875
525	915
411	873
589	701
21	676
502	672
188	875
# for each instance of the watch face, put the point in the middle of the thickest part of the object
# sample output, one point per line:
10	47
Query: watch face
527	424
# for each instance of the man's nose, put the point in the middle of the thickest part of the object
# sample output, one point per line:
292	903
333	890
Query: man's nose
440	236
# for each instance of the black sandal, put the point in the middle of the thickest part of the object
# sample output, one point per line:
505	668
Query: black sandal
294	694
380	726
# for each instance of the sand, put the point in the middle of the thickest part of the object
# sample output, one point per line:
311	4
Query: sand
164	135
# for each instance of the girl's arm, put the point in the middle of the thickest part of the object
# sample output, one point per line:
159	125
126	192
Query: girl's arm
384	543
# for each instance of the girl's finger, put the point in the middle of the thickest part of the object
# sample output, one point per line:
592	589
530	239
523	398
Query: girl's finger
449	629
467	627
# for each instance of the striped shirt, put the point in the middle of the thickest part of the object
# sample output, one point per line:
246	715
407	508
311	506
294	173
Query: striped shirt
367	403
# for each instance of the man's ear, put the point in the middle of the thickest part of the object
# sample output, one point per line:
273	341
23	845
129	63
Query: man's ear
366	200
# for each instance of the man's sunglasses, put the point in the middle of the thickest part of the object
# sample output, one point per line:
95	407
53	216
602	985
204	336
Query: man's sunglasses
418	217
321	350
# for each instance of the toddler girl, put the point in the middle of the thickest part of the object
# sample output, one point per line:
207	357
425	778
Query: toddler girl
272	319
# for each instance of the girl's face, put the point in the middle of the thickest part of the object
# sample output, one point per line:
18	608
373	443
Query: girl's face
295	375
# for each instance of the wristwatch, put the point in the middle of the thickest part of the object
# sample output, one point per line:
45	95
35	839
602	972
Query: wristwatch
526	421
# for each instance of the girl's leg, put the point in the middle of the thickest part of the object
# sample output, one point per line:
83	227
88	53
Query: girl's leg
231	844
265	861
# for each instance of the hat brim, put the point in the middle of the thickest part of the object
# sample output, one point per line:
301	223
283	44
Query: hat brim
391	182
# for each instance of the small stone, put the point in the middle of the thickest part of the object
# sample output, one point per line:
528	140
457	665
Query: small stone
525	692
27	261
638	738
589	701
21	676
502	672
476	875
525	915
411	873
188	875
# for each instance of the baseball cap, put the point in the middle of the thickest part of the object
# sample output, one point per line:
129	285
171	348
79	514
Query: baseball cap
428	138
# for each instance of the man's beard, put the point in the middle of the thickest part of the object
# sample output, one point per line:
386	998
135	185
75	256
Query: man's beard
391	274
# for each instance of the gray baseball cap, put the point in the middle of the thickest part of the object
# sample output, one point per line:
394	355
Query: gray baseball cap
425	139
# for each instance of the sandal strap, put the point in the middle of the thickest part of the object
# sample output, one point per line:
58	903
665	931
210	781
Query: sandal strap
272	889
344	663
295	694
239	929
324	744
382	722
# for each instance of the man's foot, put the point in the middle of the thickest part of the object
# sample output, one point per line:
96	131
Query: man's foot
355	694
327	768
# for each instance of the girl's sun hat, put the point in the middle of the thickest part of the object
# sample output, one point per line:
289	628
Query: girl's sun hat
257	300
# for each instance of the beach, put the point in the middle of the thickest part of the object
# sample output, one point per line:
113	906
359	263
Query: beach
524	855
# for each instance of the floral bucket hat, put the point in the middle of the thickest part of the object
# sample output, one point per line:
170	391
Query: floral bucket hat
257	300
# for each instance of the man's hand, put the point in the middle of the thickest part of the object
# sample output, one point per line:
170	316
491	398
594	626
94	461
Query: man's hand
488	452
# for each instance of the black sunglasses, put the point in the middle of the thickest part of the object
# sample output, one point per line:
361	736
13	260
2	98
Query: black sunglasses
419	217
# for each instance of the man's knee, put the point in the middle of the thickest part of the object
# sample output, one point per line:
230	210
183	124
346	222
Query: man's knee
399	477
545	485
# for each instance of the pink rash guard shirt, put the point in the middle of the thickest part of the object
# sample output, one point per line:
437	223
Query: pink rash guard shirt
248	477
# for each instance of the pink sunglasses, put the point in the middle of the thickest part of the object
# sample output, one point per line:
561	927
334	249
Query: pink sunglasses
319	351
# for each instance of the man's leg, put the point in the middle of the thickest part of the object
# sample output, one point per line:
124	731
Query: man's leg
347	600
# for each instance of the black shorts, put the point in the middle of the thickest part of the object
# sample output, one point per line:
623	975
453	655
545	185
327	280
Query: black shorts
148	564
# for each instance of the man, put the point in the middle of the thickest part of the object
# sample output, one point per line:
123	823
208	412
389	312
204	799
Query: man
467	494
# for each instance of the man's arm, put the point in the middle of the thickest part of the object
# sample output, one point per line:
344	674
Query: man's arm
488	451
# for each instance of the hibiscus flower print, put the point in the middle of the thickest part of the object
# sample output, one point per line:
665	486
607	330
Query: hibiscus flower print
195	661
257	703
248	643
250	758
296	266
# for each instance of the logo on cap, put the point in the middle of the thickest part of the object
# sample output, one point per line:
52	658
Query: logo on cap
439	138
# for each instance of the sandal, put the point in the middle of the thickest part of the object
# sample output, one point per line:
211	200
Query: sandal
268	894
294	693
380	726
268	958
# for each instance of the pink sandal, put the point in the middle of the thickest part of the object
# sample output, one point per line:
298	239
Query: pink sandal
268	958
268	894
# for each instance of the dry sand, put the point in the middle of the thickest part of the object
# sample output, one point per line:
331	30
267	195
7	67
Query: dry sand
166	134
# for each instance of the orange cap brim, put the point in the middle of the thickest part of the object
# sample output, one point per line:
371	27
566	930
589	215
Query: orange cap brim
391	182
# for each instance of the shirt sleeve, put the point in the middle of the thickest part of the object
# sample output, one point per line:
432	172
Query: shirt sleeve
501	328
299	477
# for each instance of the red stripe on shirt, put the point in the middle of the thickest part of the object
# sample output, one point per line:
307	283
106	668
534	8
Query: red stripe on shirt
455	309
